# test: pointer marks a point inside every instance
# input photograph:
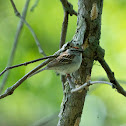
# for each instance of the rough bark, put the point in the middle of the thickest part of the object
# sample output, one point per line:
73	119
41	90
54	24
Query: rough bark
87	33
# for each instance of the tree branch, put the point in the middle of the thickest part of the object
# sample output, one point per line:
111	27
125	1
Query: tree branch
26	63
64	29
87	33
100	57
68	9
19	28
106	79
11	89
29	27
34	6
90	83
111	77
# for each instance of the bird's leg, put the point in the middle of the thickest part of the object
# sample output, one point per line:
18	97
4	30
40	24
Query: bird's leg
71	84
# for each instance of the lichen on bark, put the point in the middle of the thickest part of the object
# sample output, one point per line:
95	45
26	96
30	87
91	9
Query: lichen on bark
87	34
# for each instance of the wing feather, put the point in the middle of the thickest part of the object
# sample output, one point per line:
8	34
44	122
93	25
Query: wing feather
61	60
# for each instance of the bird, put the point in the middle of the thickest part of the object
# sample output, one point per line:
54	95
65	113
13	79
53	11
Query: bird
66	63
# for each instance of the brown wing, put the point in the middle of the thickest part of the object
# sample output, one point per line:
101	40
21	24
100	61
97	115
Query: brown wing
61	60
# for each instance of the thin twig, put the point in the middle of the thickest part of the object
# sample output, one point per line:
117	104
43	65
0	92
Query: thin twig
11	89
122	81
15	9
19	28
64	29
35	5
26	63
111	76
63	39
36	39
90	83
30	28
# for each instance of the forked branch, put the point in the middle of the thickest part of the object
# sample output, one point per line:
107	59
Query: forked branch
11	89
26	63
111	77
110	74
29	27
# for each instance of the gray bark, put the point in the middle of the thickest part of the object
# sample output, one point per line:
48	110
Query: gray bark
87	33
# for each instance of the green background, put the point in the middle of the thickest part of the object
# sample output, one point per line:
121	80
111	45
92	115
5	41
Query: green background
39	97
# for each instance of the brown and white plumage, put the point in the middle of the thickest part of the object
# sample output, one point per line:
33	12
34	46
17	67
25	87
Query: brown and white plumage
66	63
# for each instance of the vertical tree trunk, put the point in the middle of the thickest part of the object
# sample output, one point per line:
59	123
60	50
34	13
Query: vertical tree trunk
87	33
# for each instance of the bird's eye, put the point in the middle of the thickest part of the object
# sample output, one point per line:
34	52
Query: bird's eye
68	44
77	44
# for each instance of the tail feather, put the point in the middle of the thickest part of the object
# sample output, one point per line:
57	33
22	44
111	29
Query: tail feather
37	72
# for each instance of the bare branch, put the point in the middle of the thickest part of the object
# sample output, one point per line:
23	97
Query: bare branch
90	83
29	27
100	57
11	89
15	9
35	5
36	39
64	29
19	28
111	77
26	63
106	79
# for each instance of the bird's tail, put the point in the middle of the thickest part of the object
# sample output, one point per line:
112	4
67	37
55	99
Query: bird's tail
36	72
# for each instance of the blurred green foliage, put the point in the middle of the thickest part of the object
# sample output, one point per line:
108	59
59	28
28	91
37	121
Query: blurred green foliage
41	96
